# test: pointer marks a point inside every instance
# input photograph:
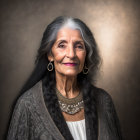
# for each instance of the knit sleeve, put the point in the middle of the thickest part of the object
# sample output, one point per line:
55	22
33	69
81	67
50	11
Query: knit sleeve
19	129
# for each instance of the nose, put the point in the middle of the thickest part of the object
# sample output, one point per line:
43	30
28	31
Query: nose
70	52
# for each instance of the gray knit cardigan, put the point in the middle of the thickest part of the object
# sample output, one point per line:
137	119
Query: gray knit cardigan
32	121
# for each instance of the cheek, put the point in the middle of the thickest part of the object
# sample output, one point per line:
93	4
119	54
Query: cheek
58	57
82	61
82	58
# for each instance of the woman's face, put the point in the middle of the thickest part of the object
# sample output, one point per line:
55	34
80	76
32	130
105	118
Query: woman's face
68	52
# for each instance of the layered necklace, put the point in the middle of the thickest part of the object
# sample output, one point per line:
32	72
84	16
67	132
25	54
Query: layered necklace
70	106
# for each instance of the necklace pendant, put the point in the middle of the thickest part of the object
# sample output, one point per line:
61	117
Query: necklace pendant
71	109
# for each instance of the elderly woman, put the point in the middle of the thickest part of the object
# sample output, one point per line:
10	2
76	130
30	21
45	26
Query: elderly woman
59	102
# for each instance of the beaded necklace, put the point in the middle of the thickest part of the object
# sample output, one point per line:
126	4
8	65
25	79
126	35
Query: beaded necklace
70	106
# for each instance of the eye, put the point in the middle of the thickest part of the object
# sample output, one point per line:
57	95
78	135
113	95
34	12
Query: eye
79	46
61	45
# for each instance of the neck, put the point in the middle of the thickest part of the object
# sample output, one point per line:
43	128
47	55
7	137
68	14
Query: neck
67	86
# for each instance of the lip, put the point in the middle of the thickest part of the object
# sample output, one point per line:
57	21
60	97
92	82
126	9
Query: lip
70	64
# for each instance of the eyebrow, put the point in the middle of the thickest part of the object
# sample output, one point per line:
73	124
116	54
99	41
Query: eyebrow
61	41
64	41
76	42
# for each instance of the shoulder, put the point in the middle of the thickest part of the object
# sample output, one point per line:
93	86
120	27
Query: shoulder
101	93
109	122
102	96
29	97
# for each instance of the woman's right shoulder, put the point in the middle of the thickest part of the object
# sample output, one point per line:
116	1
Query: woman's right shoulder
29	96
24	100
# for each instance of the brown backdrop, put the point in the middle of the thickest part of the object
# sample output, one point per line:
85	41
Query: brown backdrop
115	24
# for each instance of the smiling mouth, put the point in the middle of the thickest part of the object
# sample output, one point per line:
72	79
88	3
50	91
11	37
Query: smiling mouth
70	64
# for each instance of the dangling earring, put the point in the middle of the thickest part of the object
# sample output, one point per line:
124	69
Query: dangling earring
50	66
85	70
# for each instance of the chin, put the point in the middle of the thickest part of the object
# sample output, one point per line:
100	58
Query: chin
71	74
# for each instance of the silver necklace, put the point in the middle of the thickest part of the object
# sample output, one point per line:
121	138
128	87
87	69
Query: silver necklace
70	106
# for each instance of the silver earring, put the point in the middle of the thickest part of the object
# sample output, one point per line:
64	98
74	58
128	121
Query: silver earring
85	70
50	66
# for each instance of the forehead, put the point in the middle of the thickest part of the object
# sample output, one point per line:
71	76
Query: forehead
68	33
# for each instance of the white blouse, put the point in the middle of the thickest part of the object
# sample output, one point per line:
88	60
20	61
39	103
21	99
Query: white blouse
77	129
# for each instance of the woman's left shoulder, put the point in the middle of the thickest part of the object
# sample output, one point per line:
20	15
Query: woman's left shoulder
101	94
109	122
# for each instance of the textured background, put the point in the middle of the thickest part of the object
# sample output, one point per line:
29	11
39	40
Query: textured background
116	26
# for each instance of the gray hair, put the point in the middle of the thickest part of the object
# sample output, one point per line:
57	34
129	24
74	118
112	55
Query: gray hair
92	60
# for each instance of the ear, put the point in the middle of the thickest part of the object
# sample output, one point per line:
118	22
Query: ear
50	57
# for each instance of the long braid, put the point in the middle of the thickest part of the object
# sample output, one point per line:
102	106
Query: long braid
52	105
90	105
